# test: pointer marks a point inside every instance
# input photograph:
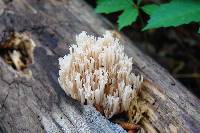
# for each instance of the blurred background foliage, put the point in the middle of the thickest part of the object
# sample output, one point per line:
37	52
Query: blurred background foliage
166	30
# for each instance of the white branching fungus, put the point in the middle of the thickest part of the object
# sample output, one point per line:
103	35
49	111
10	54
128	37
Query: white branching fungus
98	72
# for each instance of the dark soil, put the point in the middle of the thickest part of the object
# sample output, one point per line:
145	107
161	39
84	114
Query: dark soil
176	49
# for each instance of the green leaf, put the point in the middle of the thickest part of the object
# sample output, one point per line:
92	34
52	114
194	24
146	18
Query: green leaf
150	9
199	30
127	17
109	6
175	13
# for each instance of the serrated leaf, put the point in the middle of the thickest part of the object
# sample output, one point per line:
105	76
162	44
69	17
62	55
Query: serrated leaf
150	9
127	17
109	6
175	13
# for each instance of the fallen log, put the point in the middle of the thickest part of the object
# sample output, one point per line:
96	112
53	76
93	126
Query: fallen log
32	101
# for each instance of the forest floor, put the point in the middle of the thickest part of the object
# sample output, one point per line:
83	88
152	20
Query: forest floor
176	49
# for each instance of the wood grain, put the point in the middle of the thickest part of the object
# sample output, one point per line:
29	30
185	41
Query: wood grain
37	103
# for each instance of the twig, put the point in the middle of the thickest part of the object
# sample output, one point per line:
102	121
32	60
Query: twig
127	125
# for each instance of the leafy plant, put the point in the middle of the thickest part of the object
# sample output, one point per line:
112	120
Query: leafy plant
129	14
174	13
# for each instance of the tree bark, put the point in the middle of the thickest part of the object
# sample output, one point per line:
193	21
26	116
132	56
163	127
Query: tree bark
36	103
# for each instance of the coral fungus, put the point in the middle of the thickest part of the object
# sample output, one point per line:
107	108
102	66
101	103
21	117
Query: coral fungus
98	72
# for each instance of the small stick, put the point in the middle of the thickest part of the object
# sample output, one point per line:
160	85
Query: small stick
128	126
131	131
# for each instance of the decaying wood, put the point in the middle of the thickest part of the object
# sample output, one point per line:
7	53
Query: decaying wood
36	103
128	126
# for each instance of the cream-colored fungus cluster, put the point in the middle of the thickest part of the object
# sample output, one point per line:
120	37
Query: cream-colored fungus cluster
98	72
